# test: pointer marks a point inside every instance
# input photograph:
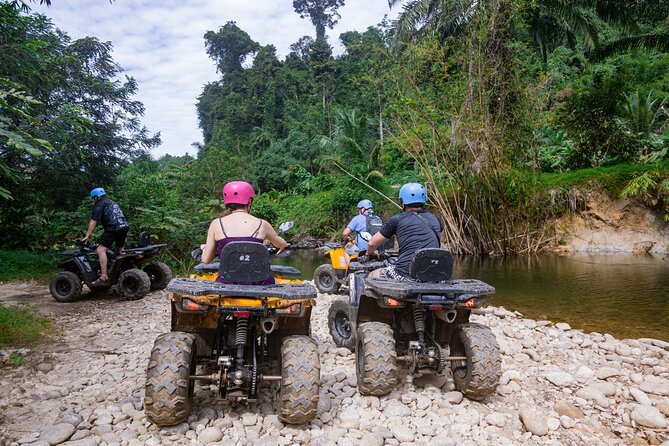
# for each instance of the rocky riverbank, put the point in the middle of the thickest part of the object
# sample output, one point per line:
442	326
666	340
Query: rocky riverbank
559	386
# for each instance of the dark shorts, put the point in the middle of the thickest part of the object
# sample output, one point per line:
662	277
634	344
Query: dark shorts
108	238
389	273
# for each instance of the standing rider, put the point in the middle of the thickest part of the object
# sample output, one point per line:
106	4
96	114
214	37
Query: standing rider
239	225
115	227
359	224
415	228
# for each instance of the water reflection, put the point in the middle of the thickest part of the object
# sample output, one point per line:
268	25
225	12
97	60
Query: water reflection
625	295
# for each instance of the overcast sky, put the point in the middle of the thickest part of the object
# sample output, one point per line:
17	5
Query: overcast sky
160	43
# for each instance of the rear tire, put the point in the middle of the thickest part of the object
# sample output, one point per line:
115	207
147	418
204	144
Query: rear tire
65	287
342	329
300	380
134	284
325	279
478	376
376	359
160	275
168	393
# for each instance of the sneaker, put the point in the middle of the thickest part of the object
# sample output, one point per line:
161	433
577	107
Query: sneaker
100	282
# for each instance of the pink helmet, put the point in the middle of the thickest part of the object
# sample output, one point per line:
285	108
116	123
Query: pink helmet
237	192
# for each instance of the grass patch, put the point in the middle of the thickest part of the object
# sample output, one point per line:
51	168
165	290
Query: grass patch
612	178
21	326
24	265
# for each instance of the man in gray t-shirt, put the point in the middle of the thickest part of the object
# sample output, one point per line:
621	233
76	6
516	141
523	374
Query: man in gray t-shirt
415	229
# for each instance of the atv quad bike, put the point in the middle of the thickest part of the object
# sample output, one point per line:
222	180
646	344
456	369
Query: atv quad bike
135	271
424	325
243	336
329	277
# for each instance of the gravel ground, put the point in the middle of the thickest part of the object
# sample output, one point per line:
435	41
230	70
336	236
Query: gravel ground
559	387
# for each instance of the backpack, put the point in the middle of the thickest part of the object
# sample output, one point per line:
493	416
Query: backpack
373	223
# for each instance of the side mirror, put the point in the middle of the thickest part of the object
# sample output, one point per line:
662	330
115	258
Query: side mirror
286	226
366	236
196	254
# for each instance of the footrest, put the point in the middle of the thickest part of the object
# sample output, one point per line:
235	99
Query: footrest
196	287
450	288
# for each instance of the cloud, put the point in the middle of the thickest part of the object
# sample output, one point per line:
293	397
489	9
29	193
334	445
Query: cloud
161	45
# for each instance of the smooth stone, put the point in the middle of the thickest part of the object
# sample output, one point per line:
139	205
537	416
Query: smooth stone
649	416
655	385
453	397
560	379
495	419
403	433
607	372
396	409
563	326
605	387
210	435
371	439
349	418
249	419
593	394
57	433
567	409
87	441
640	396
533	421
178	429
584	373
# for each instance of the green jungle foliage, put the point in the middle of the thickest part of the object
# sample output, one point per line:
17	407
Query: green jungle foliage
499	106
21	265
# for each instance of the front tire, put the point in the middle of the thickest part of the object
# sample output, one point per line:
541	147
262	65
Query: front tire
478	376
134	284
300	380
325	279
65	287
159	274
342	329
376	359
169	392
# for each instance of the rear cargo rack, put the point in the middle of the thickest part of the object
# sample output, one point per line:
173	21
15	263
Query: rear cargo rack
196	287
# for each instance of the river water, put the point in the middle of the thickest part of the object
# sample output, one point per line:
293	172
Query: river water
624	295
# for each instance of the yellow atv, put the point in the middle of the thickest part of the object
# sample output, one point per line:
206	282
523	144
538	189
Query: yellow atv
329	277
243	336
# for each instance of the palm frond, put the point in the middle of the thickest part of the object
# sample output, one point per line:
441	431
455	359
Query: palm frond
658	41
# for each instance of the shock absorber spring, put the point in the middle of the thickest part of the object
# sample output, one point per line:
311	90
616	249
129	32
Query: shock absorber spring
419	322
240	338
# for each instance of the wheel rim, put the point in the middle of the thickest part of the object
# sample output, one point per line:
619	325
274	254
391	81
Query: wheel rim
131	285
63	287
326	280
342	325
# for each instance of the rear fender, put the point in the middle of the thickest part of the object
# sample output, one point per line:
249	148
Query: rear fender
370	311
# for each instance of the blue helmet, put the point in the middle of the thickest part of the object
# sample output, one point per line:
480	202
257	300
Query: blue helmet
97	192
412	193
367	204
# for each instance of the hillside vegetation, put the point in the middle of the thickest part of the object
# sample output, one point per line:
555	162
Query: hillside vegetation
499	106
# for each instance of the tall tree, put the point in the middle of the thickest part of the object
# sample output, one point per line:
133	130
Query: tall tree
323	13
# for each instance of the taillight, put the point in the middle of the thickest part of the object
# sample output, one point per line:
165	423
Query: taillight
390	302
470	303
293	310
189	305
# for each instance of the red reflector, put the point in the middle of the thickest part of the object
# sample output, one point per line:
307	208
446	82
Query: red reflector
435	307
189	305
393	302
241	314
471	303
